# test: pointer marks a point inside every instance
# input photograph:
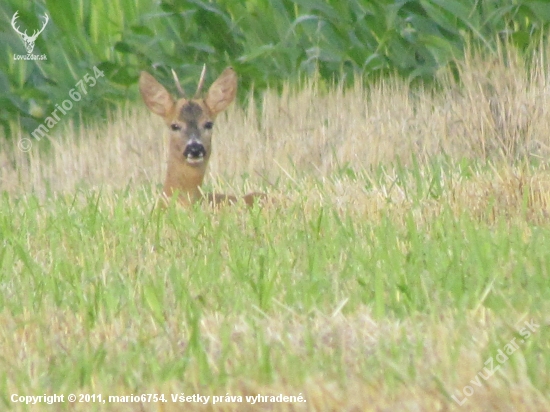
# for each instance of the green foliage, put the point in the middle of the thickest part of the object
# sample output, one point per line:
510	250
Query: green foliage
268	42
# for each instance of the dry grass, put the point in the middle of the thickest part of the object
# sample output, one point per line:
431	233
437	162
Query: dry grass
382	365
499	112
324	147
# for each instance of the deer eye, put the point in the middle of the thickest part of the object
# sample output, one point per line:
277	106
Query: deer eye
208	125
175	126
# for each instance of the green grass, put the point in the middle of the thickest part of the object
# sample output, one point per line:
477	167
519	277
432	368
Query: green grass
101	293
407	244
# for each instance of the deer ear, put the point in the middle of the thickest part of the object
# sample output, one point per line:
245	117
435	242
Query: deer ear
155	96
222	92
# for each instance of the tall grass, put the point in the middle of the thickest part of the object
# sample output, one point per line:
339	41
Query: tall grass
499	112
407	246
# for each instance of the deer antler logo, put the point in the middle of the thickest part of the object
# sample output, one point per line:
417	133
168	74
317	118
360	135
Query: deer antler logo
29	40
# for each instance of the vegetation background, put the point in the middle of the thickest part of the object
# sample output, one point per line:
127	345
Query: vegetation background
268	42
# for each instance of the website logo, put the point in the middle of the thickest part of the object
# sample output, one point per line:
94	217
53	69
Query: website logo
29	40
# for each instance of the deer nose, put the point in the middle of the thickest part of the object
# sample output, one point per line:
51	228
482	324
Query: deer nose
194	150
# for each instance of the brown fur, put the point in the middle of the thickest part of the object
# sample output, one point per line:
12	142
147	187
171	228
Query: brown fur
191	120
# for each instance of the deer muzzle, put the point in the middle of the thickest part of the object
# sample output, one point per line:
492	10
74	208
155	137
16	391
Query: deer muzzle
194	152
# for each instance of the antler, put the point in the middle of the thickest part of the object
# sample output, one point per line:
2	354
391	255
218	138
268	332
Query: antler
201	81
36	33
199	87
178	85
15	27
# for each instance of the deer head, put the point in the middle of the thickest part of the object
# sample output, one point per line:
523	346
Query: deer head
29	40
190	123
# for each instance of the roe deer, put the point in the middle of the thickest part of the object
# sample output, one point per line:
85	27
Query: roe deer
191	122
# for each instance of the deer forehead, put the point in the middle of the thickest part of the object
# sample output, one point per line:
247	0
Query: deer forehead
191	112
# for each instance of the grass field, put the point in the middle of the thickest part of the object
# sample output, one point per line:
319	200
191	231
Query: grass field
404	266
